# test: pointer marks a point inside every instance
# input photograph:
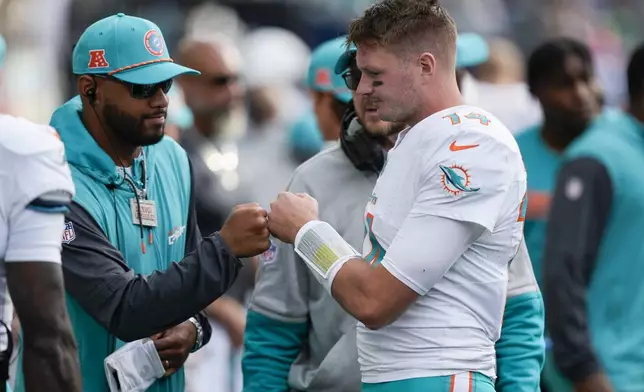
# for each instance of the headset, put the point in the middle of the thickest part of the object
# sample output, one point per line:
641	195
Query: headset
91	93
362	149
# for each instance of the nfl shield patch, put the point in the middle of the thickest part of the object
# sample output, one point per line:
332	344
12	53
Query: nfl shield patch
68	234
270	254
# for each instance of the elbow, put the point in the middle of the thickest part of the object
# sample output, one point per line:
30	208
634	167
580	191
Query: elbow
373	316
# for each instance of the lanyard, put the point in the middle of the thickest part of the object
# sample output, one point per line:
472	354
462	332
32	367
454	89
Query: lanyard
143	193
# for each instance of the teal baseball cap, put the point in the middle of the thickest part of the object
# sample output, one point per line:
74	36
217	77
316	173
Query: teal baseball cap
3	50
321	75
471	50
128	48
304	136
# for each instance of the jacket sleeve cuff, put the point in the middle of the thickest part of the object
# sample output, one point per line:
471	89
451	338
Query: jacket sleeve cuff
226	248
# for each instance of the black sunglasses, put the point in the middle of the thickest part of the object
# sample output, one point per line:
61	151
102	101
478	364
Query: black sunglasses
352	78
142	91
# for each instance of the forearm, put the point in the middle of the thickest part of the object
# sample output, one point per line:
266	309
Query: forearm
224	310
377	296
164	299
568	325
538	205
356	290
50	362
574	235
50	358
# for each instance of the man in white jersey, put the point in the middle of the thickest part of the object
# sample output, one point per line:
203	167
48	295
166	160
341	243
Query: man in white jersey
443	223
36	189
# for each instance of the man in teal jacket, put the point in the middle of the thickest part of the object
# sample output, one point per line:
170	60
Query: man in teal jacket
297	337
562	77
594	255
134	262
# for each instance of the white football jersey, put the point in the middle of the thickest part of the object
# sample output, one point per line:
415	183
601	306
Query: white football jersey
462	164
36	187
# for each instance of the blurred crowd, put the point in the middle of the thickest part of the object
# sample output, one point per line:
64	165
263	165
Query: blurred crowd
258	110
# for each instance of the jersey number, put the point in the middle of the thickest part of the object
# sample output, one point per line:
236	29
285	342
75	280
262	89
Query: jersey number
455	119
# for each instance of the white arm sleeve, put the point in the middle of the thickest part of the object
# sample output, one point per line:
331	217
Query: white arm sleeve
35	236
426	247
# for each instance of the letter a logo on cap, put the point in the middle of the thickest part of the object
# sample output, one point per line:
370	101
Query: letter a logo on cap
323	77
97	59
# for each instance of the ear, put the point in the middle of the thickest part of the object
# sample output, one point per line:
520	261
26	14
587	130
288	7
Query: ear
427	63
87	88
316	96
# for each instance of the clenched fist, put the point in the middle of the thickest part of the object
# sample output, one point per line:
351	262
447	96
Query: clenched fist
246	230
289	212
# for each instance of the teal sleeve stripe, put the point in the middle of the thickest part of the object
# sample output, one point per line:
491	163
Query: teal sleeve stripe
49	210
270	348
520	352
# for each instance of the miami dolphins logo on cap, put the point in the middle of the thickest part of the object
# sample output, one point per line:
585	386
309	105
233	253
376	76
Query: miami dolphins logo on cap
456	180
154	43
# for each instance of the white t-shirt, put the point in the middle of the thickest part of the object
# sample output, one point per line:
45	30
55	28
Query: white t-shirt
36	187
461	164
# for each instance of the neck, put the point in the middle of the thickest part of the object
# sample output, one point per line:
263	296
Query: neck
387	142
441	98
333	132
558	136
205	125
122	153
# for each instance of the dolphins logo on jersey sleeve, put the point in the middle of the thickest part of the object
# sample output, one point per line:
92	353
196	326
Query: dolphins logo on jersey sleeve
456	180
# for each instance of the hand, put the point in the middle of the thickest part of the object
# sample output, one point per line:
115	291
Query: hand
538	205
597	382
246	230
231	315
174	346
289	212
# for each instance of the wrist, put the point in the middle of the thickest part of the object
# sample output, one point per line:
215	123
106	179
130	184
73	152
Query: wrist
303	229
323	250
226	242
198	333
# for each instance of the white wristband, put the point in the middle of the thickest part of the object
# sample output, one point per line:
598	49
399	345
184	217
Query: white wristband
323	250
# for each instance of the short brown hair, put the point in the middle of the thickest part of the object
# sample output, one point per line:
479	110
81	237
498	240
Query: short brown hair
406	23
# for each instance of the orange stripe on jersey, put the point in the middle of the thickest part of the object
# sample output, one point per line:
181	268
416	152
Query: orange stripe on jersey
469	388
452	383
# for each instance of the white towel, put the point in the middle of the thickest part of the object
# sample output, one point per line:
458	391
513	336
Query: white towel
133	367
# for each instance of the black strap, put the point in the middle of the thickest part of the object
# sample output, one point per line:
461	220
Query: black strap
362	149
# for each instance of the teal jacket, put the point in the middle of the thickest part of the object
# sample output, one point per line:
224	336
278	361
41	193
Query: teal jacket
103	201
542	165
595	255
